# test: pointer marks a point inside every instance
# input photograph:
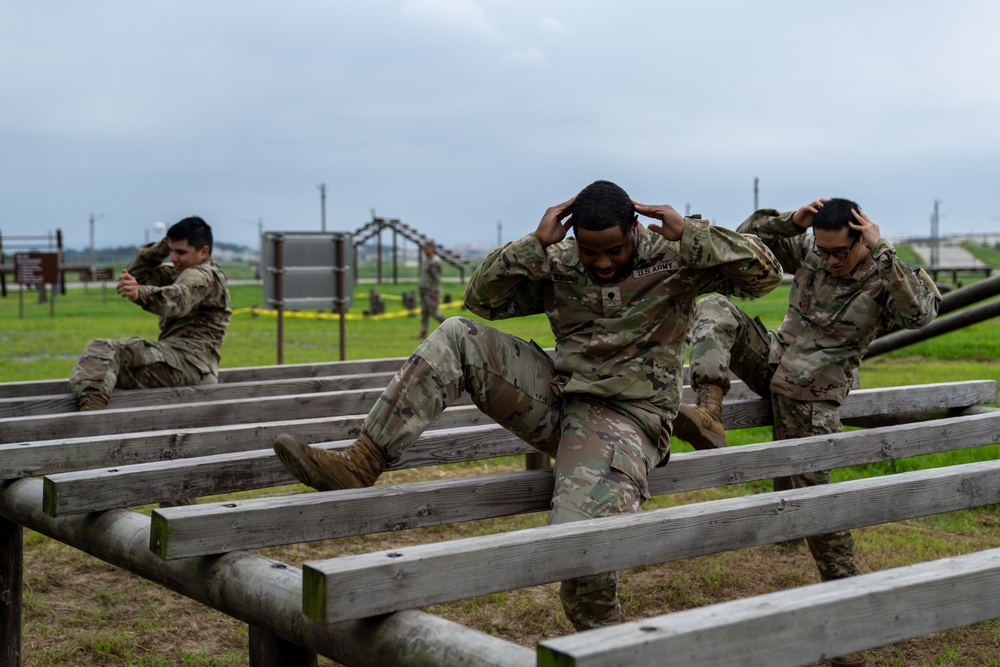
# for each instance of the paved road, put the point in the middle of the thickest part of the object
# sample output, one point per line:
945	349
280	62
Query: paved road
948	255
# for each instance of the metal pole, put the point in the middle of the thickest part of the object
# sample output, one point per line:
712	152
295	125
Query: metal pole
322	205
935	219
756	181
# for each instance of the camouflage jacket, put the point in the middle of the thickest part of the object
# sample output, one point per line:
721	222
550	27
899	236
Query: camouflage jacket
832	320
625	341
430	274
193	306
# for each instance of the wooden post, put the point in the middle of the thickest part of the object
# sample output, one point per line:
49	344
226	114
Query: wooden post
269	650
537	461
279	293
342	287
11	551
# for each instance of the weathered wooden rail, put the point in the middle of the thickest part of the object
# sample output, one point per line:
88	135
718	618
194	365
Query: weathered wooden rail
72	476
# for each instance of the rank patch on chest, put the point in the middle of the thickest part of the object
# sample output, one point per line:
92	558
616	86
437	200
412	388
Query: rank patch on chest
656	268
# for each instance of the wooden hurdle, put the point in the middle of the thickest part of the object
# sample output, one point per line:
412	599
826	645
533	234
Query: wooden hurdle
73	476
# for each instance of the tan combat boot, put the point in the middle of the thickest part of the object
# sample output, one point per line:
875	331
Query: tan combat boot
851	660
90	402
355	467
702	425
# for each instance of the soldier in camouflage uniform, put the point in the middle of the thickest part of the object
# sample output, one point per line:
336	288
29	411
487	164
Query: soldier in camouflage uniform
619	298
192	299
848	286
430	289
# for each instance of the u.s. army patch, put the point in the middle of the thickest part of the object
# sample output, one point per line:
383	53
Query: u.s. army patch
656	268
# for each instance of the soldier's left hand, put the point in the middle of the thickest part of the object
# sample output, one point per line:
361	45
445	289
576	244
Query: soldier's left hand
672	222
870	233
128	286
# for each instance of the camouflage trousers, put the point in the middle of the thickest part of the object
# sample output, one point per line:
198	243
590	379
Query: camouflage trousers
602	457
430	306
725	338
132	363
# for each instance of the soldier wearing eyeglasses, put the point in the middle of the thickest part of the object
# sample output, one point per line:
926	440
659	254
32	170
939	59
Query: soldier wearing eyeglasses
848	286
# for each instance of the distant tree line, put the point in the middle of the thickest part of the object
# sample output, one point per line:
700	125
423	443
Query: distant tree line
122	254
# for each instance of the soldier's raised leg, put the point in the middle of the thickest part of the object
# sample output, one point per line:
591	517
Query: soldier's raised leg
723	338
128	363
509	379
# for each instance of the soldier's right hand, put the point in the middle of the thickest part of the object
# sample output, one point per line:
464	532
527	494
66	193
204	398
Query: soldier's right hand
128	286
556	223
804	216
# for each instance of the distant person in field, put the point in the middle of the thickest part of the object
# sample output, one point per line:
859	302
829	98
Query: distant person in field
191	296
619	297
848	286
430	289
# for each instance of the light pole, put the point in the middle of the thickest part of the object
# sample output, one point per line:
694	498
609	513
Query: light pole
260	233
322	205
92	219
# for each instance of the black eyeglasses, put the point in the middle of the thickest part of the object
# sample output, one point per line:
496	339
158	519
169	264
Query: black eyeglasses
839	255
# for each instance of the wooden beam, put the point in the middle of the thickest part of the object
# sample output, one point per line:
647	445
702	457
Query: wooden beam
263	592
44	456
411	577
227	375
793	627
195	415
249	524
141	398
122	486
20	459
77	492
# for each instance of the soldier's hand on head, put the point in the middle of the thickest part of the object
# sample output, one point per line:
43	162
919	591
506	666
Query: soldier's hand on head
671	225
556	223
870	232
128	286
804	216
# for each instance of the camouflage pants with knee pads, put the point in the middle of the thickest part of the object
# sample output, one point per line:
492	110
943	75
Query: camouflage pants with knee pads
601	456
725	338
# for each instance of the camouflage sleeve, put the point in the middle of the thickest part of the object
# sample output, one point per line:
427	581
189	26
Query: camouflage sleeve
742	265
190	289
913	297
509	282
786	240
147	265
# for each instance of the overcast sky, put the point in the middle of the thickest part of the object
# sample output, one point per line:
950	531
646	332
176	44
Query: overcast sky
452	115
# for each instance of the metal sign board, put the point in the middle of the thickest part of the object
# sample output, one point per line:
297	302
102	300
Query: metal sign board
36	268
310	264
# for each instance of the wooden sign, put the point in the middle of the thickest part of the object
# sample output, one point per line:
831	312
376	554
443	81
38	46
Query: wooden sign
36	268
105	273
